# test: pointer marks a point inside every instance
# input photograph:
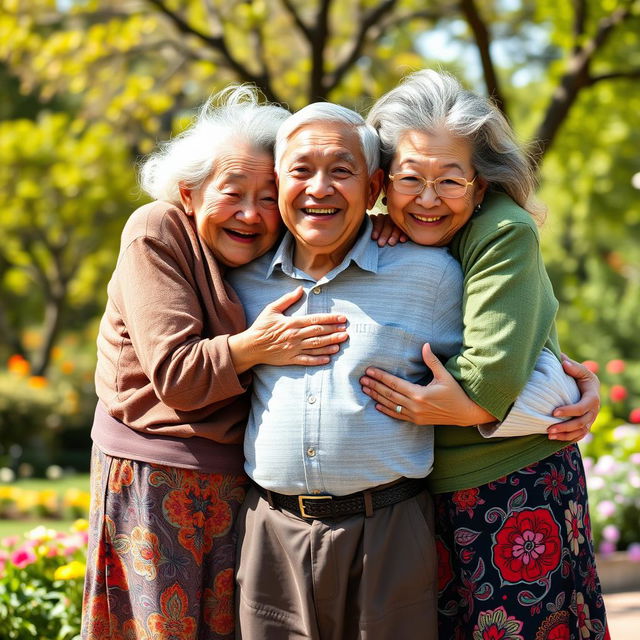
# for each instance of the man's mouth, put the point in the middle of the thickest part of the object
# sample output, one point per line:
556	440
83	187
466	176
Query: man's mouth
320	211
426	218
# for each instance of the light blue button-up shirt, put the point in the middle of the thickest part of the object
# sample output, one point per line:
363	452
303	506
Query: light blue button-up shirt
312	430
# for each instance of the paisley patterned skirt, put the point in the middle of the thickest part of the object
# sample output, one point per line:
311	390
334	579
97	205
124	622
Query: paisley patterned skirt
161	552
516	559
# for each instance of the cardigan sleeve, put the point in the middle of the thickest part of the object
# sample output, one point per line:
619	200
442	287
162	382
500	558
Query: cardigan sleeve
508	312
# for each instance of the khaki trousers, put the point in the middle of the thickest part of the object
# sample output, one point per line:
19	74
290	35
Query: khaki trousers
353	578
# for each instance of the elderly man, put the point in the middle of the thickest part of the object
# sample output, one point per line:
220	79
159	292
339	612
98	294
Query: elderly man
336	536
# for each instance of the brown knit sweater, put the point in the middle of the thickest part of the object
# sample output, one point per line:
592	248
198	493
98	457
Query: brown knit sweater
164	372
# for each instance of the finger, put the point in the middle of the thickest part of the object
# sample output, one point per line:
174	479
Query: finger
384	395
392	413
311	361
431	360
320	331
327	350
317	319
379	379
585	405
570	429
377	220
570	436
318	342
285	301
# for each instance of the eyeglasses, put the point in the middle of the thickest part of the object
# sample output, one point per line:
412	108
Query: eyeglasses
445	187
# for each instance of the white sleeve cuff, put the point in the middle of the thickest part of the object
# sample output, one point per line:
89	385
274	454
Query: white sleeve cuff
548	387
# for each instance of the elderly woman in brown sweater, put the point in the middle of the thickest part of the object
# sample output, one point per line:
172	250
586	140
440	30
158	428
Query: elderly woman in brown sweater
174	356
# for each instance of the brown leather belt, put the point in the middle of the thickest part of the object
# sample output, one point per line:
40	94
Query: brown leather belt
364	502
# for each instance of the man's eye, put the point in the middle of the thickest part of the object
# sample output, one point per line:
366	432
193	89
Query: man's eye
343	171
298	171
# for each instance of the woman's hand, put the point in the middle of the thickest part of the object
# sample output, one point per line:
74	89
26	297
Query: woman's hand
583	412
384	231
442	401
277	339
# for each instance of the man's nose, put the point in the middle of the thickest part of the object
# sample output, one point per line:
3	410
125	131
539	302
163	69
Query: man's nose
319	185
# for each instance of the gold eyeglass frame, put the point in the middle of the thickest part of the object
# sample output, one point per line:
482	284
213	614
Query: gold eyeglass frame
434	183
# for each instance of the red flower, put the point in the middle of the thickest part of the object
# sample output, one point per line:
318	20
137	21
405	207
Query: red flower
555	627
615	366
553	482
634	416
527	546
445	571
592	365
466	500
618	393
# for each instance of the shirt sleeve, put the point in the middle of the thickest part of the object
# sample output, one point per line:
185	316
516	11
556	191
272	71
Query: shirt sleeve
548	388
163	314
508	314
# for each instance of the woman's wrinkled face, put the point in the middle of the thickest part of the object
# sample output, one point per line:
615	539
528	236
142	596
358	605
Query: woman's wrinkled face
236	208
427	218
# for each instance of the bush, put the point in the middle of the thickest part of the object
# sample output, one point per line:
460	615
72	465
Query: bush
41	581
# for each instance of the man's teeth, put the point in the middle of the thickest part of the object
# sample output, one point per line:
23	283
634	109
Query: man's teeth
320	212
425	219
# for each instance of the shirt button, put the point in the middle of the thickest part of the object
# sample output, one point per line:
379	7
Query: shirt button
311	452
311	399
317	290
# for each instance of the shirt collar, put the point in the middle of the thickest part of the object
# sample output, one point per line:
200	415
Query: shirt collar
364	253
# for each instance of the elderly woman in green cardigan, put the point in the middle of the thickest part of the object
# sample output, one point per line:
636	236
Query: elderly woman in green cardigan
515	550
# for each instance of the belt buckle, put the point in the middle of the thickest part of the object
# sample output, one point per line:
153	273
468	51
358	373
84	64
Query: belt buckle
301	504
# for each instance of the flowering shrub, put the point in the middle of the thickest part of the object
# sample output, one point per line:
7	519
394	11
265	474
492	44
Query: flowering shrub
41	580
612	459
614	497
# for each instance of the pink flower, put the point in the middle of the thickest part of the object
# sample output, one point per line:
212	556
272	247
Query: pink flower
615	366
634	551
10	541
634	416
618	393
23	557
607	547
606	508
592	365
611	533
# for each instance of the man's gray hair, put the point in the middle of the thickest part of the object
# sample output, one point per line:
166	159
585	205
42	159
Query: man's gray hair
232	116
329	112
429	100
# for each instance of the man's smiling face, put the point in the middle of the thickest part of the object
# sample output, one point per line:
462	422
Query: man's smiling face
324	188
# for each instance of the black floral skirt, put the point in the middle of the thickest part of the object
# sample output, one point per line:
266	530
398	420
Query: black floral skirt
516	558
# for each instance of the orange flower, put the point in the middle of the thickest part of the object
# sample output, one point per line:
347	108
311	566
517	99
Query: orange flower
38	382
18	365
67	367
173	621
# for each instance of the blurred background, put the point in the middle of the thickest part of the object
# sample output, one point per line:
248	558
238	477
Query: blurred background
89	86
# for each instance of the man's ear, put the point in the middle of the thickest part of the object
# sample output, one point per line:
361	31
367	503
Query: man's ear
185	198
375	186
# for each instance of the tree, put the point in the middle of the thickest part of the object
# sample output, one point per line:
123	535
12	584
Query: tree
64	197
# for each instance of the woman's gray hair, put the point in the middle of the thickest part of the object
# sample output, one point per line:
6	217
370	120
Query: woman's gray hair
329	112
429	100
233	115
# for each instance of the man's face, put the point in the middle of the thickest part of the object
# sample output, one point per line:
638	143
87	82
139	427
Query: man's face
324	189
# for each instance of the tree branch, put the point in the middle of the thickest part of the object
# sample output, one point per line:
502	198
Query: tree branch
579	21
615	75
291	10
482	39
218	44
576	78
371	19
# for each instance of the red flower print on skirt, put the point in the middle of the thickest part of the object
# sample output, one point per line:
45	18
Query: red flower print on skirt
527	546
